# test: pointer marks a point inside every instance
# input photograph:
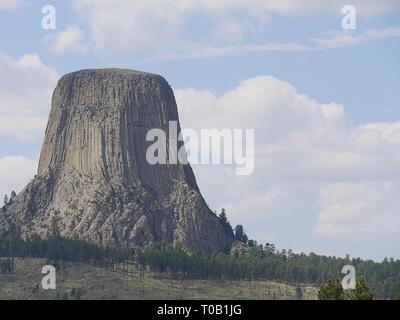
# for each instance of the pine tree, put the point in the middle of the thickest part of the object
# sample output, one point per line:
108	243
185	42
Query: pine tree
55	227
270	248
222	217
251	243
331	290
225	222
240	235
361	292
299	293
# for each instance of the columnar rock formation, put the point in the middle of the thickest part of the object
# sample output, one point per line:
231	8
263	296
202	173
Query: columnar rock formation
93	177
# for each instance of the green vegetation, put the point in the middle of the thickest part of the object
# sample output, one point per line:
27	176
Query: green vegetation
257	263
8	201
361	292
58	249
83	281
7	266
240	235
333	290
246	262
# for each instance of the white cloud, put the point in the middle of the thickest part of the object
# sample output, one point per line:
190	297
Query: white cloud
26	86
15	172
362	209
70	40
344	39
9	4
327	41
149	24
389	131
220	27
204	51
302	148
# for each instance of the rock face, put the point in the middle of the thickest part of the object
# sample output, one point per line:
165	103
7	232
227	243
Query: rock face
93	176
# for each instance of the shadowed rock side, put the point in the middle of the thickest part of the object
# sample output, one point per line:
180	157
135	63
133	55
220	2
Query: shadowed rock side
93	175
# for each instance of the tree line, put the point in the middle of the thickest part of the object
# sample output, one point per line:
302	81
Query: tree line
247	260
333	290
383	279
60	249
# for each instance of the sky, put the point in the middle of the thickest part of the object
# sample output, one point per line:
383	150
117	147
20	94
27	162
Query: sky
324	103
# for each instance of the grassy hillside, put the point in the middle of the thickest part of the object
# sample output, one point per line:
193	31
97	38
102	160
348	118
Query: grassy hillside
82	281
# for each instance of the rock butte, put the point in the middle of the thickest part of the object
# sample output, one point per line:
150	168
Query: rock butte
93	175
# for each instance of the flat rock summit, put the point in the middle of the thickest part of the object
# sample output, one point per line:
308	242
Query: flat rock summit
93	177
